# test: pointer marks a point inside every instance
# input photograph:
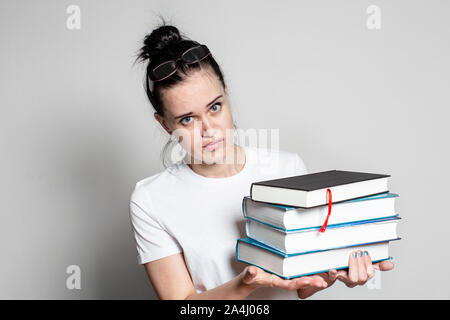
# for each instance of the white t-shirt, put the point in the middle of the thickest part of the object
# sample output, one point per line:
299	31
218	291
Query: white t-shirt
179	210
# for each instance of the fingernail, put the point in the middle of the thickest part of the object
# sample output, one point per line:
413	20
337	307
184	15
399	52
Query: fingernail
366	253
354	254
360	253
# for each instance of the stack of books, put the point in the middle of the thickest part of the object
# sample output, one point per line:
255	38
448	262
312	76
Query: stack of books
308	224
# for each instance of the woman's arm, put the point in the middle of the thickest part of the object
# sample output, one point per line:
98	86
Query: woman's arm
171	280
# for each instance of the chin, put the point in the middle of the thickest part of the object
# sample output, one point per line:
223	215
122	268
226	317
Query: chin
213	157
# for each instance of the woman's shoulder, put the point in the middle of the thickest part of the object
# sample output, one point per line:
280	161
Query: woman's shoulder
163	180
283	159
264	153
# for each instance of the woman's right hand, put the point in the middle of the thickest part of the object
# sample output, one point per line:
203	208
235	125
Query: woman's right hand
253	277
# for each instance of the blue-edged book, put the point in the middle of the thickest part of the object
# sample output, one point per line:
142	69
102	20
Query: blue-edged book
299	264
309	239
289	218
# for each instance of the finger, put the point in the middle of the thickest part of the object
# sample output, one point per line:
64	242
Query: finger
296	283
319	281
369	266
308	291
315	285
250	273
362	272
353	267
342	275
346	281
384	265
257	277
310	282
326	276
332	275
276	281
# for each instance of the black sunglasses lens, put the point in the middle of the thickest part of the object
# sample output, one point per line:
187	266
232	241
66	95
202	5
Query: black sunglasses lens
195	54
164	69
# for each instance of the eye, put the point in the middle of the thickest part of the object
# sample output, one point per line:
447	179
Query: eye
185	122
216	109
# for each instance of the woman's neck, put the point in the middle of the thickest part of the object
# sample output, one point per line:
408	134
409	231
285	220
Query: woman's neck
222	170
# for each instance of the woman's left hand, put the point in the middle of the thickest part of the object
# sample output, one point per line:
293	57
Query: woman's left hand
360	270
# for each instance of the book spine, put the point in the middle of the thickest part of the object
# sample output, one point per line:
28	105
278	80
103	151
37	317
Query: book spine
244	202
246	228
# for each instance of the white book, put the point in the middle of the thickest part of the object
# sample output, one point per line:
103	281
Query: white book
336	235
305	263
289	218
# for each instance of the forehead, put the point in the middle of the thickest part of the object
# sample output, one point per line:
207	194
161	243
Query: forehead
193	93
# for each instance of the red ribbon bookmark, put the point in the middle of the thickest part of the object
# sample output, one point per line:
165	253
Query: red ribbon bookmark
324	226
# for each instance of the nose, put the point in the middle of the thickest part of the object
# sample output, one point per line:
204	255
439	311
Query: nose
207	127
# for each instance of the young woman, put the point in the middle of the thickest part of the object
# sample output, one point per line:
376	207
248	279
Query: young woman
187	218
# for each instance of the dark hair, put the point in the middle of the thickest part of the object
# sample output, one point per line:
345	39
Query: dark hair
166	43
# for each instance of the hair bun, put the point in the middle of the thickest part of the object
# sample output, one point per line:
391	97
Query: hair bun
162	37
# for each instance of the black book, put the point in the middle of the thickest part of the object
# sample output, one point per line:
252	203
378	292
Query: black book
310	190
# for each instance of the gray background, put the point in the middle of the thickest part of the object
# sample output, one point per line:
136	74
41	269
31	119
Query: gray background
77	131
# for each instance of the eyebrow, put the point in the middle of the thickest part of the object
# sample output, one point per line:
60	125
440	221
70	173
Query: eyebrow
189	113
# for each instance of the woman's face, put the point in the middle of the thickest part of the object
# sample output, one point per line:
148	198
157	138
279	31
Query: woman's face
197	110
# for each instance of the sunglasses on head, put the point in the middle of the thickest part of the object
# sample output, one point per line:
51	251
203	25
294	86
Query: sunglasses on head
167	68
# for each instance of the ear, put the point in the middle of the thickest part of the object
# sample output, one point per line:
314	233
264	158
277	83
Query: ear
162	122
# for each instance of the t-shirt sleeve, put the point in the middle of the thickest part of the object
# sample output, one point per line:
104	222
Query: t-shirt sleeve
300	167
153	242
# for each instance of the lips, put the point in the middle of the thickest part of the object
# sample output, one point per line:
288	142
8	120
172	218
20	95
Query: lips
210	144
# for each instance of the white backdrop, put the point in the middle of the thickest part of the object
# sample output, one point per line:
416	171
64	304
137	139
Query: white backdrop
77	131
